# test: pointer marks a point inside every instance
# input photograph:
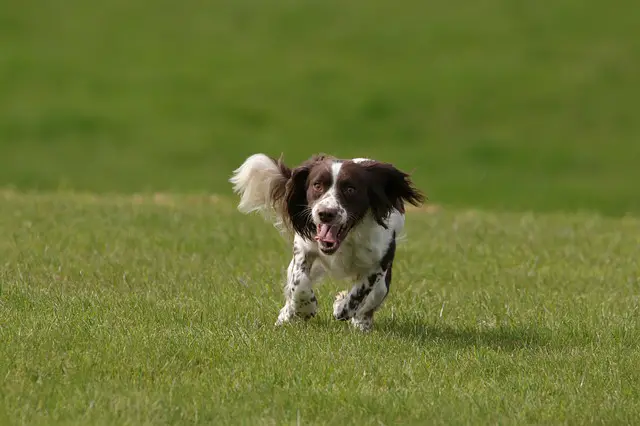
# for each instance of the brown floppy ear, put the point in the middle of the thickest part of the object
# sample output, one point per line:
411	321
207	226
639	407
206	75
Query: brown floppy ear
296	203
389	189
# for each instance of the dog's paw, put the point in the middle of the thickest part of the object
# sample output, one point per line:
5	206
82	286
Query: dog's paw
363	324
340	296
340	311
285	316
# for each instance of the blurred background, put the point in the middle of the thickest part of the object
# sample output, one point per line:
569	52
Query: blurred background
496	104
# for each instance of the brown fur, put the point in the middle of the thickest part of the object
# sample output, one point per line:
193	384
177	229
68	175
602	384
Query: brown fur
379	187
390	188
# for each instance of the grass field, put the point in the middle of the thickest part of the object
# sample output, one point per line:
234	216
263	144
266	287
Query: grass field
496	104
514	302
156	310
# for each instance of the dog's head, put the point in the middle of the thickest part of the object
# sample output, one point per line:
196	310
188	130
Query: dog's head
325	198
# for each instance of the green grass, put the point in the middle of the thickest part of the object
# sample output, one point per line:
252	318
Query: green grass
515	303
160	310
496	104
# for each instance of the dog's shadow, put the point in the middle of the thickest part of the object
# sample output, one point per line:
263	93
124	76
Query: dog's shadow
510	337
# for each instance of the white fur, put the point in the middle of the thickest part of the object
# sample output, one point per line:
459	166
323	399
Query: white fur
330	198
360	251
357	258
253	181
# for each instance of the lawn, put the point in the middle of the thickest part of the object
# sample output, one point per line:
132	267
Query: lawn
160	310
496	104
132	292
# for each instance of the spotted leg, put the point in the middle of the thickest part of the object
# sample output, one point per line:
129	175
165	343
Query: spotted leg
359	304
300	301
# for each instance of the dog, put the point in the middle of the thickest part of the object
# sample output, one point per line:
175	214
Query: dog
345	217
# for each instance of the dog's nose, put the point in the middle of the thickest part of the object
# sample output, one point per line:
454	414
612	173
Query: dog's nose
328	215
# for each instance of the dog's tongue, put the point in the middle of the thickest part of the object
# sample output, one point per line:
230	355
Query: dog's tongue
327	234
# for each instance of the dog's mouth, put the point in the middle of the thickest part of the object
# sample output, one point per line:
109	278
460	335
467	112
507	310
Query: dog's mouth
329	237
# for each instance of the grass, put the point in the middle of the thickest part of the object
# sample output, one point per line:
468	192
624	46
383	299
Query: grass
516	303
499	104
159	310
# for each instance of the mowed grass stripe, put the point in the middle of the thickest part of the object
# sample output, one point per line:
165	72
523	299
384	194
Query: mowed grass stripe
160	309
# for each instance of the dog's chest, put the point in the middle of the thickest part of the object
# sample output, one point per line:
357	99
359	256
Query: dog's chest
362	250
351	260
360	253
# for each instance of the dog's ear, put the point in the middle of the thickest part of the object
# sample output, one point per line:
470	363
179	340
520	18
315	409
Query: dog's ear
296	199
389	189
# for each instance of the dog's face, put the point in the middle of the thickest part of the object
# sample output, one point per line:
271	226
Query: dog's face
326	198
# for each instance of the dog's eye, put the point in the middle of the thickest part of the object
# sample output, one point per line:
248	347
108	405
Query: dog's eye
317	186
349	190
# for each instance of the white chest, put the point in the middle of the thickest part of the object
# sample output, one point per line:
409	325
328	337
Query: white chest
362	250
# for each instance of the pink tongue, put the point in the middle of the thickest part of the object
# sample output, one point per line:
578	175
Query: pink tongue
327	234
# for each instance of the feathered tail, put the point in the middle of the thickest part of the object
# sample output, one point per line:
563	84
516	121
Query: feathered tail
261	183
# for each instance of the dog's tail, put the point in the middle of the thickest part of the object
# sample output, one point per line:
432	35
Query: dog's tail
261	183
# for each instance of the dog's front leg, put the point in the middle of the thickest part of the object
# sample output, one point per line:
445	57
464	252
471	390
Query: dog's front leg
366	296
300	302
359	304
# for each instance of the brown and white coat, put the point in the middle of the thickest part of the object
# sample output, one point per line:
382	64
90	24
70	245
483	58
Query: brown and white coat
345	216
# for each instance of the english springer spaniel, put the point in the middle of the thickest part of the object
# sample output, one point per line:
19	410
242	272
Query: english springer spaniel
345	216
